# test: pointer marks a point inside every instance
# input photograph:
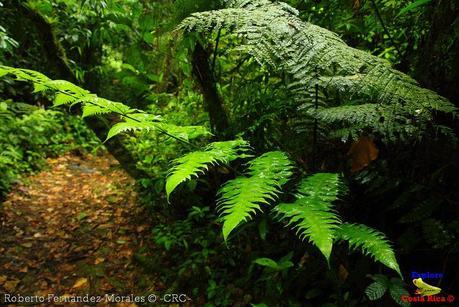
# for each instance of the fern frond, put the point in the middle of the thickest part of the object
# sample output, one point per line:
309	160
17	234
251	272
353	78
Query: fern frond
185	132
241	198
129	125
312	214
276	37
62	99
195	163
69	93
370	241
93	110
324	187
273	164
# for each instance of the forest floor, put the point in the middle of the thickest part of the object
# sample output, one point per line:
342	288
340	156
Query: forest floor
72	229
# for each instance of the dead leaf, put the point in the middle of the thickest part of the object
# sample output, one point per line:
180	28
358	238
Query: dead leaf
99	260
11	285
81	282
342	273
362	152
356	5
2	279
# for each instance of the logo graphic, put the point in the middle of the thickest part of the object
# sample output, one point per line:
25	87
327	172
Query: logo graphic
424	288
426	293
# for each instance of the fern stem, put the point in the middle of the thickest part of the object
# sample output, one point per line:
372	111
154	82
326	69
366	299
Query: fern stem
214	59
314	135
381	21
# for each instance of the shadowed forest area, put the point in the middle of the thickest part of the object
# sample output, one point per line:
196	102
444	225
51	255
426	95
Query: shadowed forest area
229	152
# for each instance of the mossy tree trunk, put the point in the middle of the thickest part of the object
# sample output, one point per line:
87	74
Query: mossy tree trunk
55	55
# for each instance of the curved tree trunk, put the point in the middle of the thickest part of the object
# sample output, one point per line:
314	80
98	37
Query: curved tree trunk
212	100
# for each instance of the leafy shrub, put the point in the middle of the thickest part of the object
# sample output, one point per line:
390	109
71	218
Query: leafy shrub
29	134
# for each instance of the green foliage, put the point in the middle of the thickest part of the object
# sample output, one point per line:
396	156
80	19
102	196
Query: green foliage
67	93
309	81
312	214
274	273
197	259
311	56
370	241
412	6
29	134
241	198
197	162
375	291
382	284
278	266
7	44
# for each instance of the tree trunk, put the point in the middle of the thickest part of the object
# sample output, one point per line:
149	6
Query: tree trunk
51	47
56	55
212	100
437	66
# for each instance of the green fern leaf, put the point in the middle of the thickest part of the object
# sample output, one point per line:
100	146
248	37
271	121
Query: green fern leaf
375	291
397	292
274	164
69	93
66	87
312	214
128	125
92	110
62	99
370	241
39	87
274	34
185	132
241	198
197	162
4	71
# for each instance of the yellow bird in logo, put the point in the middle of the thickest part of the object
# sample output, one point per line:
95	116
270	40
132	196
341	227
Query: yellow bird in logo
424	288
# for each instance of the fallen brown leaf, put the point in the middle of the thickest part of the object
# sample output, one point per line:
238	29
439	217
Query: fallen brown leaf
11	285
81	282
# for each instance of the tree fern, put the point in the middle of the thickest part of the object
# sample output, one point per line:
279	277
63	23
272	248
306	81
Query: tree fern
197	162
370	241
312	214
309	55
242	197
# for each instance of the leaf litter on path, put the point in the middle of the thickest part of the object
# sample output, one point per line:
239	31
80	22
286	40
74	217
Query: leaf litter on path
73	230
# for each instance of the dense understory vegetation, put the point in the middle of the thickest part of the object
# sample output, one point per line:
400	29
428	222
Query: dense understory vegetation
29	134
291	153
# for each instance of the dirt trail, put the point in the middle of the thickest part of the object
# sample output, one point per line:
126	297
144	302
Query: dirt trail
72	230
